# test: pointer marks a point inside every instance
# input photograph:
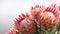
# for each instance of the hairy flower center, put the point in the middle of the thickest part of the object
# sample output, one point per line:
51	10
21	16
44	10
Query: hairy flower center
47	17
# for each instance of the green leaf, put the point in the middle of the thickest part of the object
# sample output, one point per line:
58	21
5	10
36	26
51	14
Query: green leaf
43	28
58	27
52	30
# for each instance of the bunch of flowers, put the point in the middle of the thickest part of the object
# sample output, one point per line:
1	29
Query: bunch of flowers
42	20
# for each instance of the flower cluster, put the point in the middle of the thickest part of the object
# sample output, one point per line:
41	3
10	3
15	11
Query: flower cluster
40	15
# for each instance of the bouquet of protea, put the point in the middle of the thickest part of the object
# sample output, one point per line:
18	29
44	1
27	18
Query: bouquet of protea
42	20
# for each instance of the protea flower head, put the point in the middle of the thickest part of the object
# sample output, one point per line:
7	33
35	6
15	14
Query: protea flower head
55	10
48	17
25	24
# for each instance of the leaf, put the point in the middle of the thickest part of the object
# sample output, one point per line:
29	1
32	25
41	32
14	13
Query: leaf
58	27
53	29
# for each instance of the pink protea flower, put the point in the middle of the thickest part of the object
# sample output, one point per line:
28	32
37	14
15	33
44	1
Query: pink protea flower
25	24
55	10
48	17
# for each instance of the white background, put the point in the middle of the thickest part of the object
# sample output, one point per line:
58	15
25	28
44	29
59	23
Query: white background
10	9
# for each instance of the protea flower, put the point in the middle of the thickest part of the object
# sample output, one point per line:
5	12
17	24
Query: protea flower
55	10
50	16
25	24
